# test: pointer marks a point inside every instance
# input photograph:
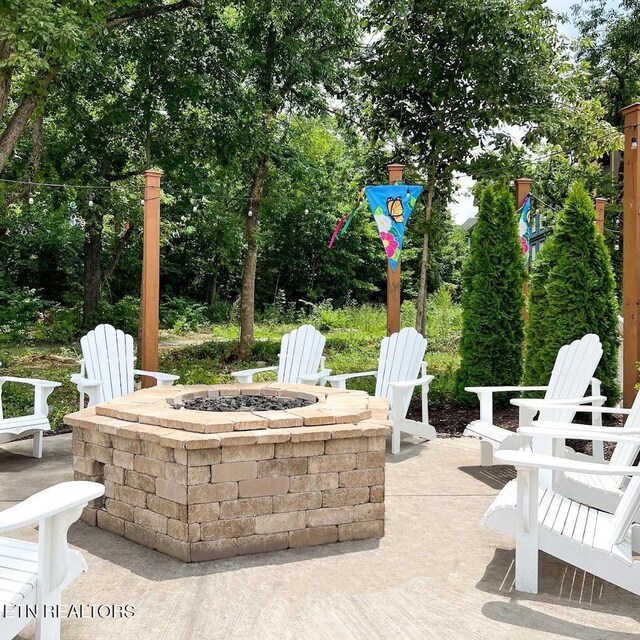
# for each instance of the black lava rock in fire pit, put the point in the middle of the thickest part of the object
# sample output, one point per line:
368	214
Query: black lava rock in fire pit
243	403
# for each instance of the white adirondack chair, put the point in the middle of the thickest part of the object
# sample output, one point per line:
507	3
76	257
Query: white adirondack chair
107	366
33	575
300	359
400	363
34	424
601	492
542	520
572	373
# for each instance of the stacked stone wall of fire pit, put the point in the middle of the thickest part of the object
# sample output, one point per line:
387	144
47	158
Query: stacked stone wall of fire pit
204	496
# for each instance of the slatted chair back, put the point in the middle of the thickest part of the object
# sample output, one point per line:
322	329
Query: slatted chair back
627	509
108	356
300	353
572	373
626	453
401	356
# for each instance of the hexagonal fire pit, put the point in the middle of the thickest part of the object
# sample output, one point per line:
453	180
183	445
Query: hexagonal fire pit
287	466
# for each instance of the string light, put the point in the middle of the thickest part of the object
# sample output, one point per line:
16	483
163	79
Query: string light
634	143
91	201
31	199
250	214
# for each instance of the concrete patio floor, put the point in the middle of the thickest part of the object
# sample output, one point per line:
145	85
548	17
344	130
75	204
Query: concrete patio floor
436	574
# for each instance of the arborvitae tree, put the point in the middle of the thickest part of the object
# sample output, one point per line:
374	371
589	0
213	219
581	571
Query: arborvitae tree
492	299
572	292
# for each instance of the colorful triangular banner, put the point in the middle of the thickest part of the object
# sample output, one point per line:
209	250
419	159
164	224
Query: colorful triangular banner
391	206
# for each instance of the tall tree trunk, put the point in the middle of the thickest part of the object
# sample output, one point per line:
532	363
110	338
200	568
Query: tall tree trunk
21	117
92	270
247	300
421	306
5	78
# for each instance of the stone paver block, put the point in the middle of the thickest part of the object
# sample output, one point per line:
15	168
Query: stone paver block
110	523
313	482
368	511
330	516
361	530
151	520
336	462
214	550
313	536
263	487
131	496
342	497
203	512
362	477
167	508
248	453
246	507
297	501
119	509
171	491
299	449
228	528
263	543
277	522
234	471
202	493
281	467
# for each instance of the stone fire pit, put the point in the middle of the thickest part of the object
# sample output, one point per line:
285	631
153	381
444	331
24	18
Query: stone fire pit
201	485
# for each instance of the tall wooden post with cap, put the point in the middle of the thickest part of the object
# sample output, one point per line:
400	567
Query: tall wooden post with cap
394	171
630	262
150	303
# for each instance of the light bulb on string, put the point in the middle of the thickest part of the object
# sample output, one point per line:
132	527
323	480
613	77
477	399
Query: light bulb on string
634	143
616	246
90	201
306	212
31	198
142	201
250	214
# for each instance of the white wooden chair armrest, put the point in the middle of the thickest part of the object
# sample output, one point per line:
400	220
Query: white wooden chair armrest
246	375
42	389
163	379
535	403
340	381
507	389
78	379
87	386
541	403
49	502
34	382
406	384
313	378
559	431
485	396
528	460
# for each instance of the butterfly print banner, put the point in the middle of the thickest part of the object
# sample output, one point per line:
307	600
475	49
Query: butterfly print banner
391	206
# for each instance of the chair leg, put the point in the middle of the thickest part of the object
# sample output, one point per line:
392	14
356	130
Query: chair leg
37	444
395	440
48	617
486	453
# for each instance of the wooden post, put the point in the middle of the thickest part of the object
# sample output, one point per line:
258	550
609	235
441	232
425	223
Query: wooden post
523	189
630	263
150	314
600	202
393	277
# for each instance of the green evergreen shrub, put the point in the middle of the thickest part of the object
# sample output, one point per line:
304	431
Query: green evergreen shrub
572	292
492	299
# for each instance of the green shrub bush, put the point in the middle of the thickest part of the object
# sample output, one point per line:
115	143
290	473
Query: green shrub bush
572	292
492	299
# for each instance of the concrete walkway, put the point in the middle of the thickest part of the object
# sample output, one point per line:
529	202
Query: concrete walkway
435	575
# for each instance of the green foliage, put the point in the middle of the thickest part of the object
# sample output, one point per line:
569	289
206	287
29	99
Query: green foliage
492	300
572	292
